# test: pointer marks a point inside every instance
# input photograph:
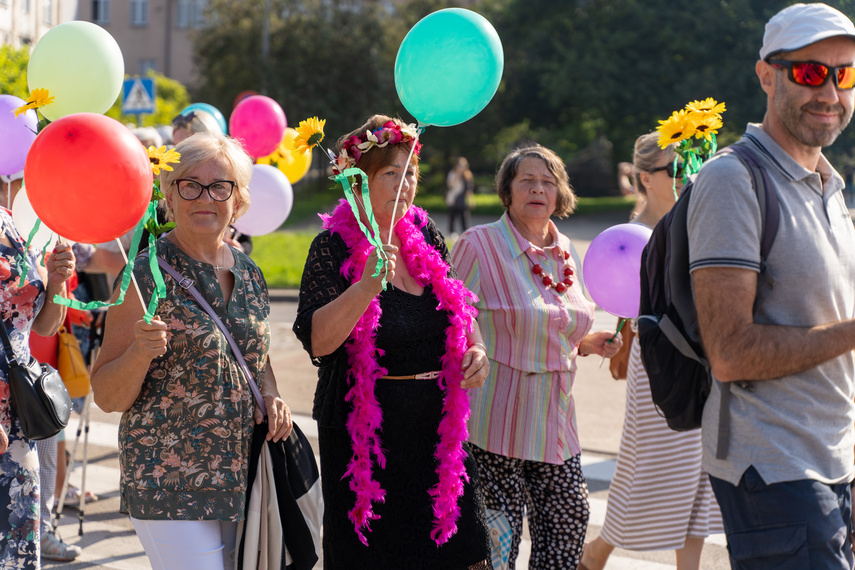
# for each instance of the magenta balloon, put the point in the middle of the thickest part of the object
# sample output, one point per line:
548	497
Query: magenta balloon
259	123
16	134
612	266
270	201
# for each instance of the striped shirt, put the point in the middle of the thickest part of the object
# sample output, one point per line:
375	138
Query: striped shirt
525	409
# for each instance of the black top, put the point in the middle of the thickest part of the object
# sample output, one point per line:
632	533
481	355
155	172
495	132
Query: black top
412	330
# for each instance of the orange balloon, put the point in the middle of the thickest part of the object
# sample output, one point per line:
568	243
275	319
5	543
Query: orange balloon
88	178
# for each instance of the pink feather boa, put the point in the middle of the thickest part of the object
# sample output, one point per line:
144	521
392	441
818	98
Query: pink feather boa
427	267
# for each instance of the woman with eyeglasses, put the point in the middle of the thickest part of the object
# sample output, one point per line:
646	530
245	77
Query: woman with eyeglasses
659	498
188	412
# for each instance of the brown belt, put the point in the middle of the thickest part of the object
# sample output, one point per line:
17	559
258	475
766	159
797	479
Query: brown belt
423	376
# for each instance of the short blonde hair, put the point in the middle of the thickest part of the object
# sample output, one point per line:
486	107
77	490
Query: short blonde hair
203	147
565	202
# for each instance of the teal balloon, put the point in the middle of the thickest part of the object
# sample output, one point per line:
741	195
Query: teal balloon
81	65
449	67
221	120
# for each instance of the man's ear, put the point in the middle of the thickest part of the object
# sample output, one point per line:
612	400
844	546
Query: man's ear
766	75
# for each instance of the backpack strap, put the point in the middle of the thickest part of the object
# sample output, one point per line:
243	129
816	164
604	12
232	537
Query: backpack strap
767	198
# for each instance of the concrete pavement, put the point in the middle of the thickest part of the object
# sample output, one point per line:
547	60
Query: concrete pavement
109	541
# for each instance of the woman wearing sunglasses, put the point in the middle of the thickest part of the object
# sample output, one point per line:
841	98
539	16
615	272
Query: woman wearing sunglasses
658	499
189	414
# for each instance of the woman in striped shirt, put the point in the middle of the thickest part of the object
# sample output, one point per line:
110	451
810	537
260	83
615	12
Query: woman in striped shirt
535	319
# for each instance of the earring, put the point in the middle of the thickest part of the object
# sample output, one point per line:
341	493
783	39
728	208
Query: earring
233	219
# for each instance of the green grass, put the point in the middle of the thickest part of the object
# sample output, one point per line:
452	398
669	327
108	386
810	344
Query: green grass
281	255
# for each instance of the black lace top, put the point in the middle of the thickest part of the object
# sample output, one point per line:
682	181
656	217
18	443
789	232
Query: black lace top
412	331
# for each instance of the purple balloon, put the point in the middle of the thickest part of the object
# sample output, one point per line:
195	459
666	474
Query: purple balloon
271	198
16	134
259	123
612	266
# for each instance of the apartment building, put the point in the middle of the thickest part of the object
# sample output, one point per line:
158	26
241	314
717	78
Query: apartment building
23	22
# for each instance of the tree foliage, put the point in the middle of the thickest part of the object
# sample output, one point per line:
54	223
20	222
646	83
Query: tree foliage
13	71
577	73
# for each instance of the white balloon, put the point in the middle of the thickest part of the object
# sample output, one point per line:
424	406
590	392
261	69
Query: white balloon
25	219
271	199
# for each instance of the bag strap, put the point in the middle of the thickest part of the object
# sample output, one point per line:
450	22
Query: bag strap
187	285
767	198
7	345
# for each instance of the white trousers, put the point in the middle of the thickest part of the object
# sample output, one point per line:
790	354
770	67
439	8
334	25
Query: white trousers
201	545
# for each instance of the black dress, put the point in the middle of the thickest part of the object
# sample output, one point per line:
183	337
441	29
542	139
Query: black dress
412	336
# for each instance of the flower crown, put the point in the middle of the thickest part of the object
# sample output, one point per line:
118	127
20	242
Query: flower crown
390	133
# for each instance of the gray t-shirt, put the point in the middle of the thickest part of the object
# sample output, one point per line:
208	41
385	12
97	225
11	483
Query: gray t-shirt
798	426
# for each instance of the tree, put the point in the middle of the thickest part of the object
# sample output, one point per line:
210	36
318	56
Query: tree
13	71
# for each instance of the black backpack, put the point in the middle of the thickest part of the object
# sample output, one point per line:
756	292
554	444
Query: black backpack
668	334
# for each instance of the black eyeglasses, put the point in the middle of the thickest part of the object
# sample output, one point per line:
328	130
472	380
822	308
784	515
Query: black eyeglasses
219	190
181	121
670	170
813	74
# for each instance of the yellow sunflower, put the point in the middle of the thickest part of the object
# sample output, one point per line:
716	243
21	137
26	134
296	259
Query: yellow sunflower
707	106
38	98
161	158
705	124
677	128
309	134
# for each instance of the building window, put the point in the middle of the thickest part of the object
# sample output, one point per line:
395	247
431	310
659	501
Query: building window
4	3
101	11
147	65
25	6
47	11
139	12
191	13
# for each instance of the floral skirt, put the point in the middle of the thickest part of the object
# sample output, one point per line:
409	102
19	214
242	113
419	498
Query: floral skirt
19	502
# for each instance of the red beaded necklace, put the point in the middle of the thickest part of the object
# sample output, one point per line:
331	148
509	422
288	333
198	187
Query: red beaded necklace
548	280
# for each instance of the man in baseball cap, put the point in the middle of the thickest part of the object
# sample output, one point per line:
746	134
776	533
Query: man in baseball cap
779	332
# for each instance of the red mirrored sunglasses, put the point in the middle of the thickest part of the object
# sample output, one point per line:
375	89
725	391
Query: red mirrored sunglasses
813	74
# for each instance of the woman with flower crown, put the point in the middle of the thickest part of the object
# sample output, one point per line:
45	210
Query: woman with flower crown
400	488
535	319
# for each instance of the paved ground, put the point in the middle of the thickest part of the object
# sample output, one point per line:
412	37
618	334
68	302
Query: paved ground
108	540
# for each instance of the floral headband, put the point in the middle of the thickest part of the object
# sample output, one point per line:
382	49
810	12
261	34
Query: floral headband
357	145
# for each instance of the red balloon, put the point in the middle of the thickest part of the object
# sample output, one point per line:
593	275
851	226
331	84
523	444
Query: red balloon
259	123
88	178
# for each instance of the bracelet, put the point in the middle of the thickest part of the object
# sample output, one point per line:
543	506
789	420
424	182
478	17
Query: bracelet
481	345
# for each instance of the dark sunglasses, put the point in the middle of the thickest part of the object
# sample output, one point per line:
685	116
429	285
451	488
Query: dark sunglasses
670	170
813	74
182	121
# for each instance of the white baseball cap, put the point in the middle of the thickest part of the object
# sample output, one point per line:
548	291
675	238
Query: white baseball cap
801	25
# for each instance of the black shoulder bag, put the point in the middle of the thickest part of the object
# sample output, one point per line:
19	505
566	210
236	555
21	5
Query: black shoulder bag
38	394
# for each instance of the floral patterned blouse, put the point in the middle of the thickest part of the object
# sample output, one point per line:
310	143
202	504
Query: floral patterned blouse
184	443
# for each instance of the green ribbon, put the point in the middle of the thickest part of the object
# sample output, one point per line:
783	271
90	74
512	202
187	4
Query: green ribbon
160	287
23	264
374	235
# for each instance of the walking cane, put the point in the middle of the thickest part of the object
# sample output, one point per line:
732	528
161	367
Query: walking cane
96	333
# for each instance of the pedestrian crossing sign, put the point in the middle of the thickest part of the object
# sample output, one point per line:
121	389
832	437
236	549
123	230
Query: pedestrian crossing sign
138	95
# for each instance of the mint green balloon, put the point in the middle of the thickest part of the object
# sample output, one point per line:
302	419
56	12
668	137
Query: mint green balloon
449	67
82	67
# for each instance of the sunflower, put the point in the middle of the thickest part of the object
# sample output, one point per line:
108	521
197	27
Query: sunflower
708	106
705	124
38	98
677	128
161	158
309	134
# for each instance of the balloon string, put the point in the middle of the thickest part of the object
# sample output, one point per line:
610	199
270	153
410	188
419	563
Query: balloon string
8	194
373	235
127	275
614	336
401	184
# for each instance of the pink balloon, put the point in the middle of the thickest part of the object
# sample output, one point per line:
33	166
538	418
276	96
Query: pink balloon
259	123
612	266
16	134
270	201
